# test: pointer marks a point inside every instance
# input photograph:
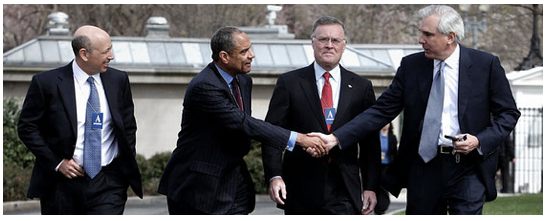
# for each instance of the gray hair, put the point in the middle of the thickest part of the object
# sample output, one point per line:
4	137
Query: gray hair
80	42
450	19
327	20
222	40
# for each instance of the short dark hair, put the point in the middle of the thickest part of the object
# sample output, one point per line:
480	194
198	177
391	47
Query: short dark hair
80	42
222	40
327	20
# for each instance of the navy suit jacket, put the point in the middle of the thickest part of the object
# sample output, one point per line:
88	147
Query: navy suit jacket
48	125
295	105
214	137
486	110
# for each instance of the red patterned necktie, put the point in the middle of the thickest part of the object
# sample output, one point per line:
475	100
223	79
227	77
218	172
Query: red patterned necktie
326	100
237	93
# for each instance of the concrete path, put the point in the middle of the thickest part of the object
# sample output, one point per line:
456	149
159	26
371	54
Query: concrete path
157	205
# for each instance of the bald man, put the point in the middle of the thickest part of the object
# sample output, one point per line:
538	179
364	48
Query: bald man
78	121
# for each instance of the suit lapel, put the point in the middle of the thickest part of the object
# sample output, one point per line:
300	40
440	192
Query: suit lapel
425	79
225	86
345	94
111	90
67	93
309	88
465	81
245	86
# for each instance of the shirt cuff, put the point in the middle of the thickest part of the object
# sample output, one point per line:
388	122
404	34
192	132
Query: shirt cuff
480	150
292	141
275	177
58	165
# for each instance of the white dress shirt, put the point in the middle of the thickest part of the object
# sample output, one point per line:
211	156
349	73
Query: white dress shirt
109	149
450	113
335	81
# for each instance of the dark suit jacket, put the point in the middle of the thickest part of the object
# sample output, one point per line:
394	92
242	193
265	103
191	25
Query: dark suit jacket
48	125
214	137
295	105
484	92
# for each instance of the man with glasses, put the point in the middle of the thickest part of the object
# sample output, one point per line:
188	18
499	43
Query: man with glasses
458	108
322	97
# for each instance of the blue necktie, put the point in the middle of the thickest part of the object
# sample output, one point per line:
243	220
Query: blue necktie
92	136
433	117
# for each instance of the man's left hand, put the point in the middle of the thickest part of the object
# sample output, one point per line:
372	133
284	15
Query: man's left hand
465	146
369	200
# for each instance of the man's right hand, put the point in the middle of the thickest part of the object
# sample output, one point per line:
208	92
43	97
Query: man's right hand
277	185
311	144
329	140
70	169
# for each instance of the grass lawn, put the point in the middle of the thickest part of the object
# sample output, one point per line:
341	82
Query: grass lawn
527	204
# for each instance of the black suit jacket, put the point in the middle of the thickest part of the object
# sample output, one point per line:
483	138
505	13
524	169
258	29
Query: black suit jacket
214	137
48	125
484	94
295	105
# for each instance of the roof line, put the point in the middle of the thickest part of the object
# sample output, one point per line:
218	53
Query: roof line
369	57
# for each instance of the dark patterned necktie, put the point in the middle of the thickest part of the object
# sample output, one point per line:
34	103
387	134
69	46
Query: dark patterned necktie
237	93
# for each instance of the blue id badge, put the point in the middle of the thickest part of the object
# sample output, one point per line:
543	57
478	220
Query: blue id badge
96	119
329	115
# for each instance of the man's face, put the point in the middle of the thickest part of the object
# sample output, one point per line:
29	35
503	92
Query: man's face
100	55
328	45
239	60
435	44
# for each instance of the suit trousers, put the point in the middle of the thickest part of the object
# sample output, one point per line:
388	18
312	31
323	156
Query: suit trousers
383	196
444	186
105	194
336	200
243	201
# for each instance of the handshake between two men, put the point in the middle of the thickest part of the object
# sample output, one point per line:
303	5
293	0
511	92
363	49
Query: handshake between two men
317	144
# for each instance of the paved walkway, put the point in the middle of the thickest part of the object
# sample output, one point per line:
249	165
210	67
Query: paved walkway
157	205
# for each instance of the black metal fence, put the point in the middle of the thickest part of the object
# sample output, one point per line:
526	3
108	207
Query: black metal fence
528	167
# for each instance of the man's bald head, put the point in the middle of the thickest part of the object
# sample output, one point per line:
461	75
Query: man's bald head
93	49
85	36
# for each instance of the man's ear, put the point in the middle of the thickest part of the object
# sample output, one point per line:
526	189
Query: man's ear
452	38
82	53
224	57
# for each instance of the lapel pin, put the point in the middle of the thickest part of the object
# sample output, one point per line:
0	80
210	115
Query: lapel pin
350	86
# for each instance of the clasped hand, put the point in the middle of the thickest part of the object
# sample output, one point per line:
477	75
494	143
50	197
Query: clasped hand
317	144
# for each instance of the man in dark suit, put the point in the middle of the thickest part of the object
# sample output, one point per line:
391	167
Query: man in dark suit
206	173
298	182
78	121
478	109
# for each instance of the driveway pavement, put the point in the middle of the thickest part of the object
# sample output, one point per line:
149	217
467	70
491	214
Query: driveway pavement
157	205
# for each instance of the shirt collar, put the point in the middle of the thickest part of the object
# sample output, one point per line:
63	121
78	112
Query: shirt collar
335	74
227	77
453	60
80	75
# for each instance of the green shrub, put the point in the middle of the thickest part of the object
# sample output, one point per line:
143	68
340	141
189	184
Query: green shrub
255	167
18	160
14	151
151	171
16	181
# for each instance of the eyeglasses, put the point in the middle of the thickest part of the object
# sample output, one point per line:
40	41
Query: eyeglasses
325	40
